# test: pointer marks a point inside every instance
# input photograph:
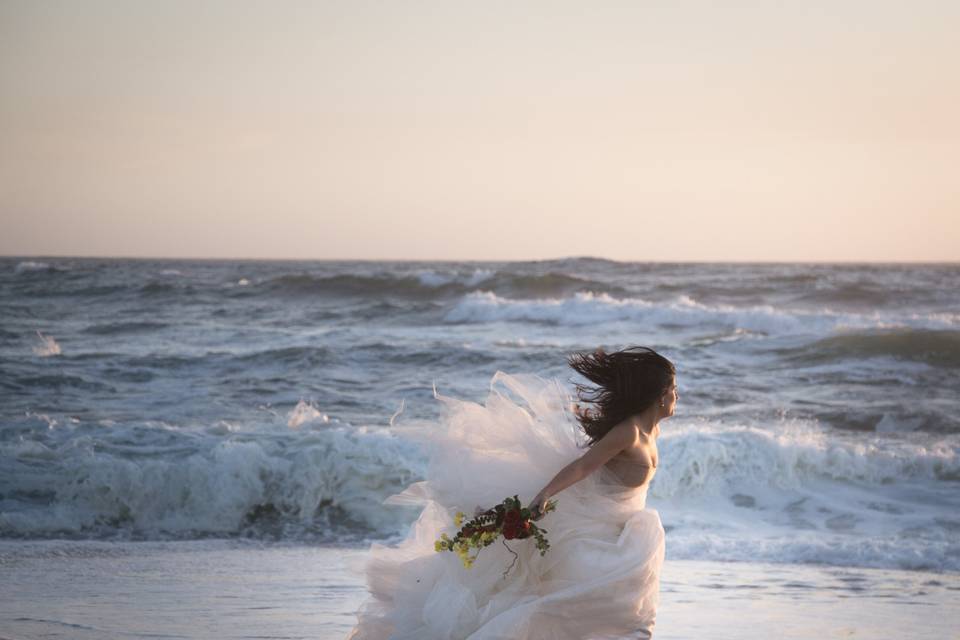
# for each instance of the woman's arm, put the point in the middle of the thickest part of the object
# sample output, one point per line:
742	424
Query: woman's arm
616	440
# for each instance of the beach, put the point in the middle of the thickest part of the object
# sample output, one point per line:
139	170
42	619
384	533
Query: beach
201	449
221	589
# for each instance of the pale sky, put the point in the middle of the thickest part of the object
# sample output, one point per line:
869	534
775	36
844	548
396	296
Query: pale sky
633	130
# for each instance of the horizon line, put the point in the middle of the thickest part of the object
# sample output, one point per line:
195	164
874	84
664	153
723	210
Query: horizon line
477	260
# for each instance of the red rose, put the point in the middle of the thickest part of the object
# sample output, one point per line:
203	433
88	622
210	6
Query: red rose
510	531
512	517
468	531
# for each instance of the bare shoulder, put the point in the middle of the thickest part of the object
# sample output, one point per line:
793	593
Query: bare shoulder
637	442
621	437
624	434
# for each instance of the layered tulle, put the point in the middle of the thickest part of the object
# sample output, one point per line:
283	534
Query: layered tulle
600	578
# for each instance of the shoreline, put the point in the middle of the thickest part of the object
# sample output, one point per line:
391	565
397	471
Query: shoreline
229	589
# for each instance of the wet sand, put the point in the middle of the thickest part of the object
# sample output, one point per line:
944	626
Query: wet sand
240	589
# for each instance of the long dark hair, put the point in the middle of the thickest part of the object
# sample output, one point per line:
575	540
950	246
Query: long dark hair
627	383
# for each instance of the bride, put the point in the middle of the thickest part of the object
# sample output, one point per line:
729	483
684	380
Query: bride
600	577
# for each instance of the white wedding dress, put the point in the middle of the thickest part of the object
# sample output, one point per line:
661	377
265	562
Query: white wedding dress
598	580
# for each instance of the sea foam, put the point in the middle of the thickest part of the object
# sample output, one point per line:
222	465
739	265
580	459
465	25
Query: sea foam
789	492
311	482
46	346
31	265
588	308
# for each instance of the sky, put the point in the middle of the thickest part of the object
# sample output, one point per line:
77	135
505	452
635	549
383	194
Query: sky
450	130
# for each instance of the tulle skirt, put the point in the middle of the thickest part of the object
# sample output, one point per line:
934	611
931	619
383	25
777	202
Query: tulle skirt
600	577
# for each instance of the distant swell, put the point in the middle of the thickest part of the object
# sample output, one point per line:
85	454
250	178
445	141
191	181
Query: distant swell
57	381
429	284
347	285
853	295
305	355
116	328
935	347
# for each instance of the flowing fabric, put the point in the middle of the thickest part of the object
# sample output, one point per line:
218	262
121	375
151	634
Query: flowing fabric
598	580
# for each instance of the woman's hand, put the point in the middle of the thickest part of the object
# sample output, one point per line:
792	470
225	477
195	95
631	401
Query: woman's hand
537	505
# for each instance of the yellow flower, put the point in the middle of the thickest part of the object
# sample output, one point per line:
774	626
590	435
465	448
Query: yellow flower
438	546
458	519
445	537
467	562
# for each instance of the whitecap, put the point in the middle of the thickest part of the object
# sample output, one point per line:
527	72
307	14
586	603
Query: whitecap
30	265
430	278
303	413
46	346
589	308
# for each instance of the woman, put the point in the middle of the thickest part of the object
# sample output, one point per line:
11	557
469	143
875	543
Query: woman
600	577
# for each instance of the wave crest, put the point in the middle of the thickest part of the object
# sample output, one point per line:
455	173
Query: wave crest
312	482
597	307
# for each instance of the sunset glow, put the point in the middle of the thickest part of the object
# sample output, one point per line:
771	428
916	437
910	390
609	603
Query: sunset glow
632	131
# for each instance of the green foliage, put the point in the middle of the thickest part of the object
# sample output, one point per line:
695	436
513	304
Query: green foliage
508	520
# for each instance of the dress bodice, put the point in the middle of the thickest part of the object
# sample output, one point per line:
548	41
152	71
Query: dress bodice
631	473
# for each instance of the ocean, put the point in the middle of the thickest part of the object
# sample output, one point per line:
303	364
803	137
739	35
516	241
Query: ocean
156	410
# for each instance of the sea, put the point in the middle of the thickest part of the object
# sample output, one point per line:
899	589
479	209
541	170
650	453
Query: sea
187	442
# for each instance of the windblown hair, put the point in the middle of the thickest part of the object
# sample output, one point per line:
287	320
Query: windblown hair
627	383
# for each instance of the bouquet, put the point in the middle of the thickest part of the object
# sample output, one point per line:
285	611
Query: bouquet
508	519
